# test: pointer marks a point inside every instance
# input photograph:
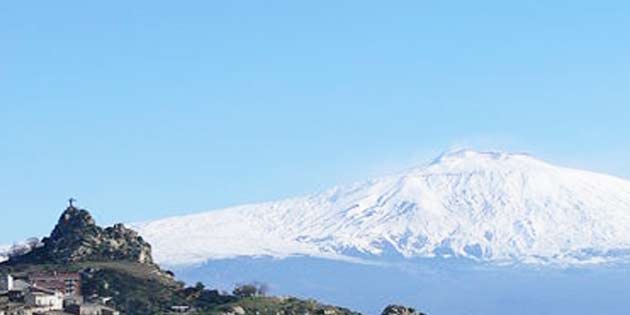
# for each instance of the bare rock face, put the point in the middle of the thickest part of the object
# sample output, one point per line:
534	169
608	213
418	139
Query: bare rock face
77	238
400	310
121	243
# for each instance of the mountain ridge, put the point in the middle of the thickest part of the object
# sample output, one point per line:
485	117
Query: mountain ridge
494	207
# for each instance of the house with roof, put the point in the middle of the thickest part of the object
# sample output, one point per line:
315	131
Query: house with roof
48	300
68	283
12	288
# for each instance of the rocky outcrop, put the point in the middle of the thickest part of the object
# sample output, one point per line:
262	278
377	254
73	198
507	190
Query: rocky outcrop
77	238
235	310
121	243
400	310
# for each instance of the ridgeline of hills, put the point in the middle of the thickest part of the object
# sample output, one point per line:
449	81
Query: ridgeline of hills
116	263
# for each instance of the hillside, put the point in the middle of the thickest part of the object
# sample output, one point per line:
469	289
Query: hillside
493	207
115	263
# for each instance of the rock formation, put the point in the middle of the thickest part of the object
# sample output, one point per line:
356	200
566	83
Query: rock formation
77	238
400	310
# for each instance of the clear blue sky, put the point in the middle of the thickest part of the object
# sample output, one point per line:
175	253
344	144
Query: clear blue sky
147	109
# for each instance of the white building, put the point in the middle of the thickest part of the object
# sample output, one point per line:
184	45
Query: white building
6	282
45	299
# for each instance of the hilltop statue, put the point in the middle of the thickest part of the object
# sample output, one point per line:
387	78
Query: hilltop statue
71	202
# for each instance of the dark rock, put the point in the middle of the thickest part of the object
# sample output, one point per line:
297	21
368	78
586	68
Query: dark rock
77	238
400	310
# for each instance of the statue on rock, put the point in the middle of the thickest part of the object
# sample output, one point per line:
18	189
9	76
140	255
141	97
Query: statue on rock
77	238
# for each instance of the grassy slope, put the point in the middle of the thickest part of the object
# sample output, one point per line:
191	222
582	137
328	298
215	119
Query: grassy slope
279	306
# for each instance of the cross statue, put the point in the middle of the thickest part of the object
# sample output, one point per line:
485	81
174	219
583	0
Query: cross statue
71	201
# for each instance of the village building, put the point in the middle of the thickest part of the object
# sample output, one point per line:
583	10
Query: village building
6	282
45	299
12	288
48	293
68	283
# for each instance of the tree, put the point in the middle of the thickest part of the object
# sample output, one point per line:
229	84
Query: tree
251	290
200	287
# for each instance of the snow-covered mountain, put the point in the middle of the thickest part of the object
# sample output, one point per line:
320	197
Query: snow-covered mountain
4	252
486	206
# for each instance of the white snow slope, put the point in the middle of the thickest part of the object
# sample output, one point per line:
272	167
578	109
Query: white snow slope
490	207
4	252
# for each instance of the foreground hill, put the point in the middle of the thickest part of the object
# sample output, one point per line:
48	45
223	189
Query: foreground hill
484	206
116	263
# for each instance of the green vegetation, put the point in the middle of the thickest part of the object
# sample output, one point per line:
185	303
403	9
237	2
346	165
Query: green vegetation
277	306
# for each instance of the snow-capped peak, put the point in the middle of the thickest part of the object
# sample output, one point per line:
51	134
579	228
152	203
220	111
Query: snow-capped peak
467	154
486	206
466	160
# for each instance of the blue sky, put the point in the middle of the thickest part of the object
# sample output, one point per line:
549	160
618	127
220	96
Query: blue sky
147	109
